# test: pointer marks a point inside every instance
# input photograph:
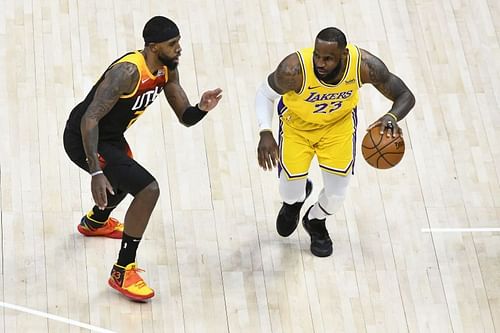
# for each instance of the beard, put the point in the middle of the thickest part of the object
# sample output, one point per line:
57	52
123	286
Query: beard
169	62
330	76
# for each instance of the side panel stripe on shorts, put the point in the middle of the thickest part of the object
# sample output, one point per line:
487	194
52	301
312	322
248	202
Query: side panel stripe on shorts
341	171
354	136
281	108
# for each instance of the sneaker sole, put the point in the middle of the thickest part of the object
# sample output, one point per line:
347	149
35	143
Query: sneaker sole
115	234
322	254
318	253
127	294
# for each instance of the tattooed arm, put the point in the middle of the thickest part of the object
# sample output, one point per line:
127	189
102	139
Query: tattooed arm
374	71
119	80
185	112
288	76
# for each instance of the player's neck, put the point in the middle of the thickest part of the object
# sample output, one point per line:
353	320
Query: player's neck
152	62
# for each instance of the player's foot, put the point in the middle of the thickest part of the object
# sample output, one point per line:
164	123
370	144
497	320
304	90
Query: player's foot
111	229
288	216
321	244
129	283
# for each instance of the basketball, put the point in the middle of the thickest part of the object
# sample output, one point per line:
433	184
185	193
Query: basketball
380	151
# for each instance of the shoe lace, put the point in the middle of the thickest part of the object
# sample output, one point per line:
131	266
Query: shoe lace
113	224
135	278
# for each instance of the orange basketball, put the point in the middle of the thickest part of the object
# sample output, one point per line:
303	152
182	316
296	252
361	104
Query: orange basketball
380	151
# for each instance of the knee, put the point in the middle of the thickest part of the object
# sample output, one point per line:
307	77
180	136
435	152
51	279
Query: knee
292	191
152	191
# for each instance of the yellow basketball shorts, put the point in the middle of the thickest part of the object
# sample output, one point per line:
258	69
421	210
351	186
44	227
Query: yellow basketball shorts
334	145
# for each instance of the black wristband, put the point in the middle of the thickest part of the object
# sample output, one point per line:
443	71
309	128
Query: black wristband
192	115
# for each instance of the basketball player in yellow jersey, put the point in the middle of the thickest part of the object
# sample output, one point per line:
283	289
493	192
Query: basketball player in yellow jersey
318	94
94	140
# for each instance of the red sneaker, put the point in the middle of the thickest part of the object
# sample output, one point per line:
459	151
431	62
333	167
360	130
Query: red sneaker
129	283
111	229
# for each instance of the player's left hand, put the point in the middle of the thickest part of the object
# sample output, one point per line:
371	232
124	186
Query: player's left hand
210	99
387	124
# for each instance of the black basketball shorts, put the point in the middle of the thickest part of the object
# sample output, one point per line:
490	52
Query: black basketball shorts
116	160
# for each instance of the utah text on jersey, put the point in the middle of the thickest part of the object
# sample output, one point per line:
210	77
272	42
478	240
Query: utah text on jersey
142	102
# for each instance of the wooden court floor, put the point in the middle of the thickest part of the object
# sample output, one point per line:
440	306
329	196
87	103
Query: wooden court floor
211	251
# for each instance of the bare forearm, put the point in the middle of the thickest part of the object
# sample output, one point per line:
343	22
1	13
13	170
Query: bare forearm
90	138
403	104
177	99
396	90
175	95
374	71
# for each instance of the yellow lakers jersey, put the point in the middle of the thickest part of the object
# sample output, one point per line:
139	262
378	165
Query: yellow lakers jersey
318	103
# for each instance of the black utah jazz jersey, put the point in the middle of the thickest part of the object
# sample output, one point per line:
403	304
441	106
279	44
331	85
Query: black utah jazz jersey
129	107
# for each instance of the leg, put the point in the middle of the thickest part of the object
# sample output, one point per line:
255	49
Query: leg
331	197
132	178
329	201
293	193
128	176
97	216
114	151
296	154
98	223
336	153
139	212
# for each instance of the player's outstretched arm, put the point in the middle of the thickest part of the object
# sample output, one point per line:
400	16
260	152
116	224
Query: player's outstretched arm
187	114
121	79
374	71
287	77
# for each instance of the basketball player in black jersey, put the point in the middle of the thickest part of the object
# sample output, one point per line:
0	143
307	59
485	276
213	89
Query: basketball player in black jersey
94	140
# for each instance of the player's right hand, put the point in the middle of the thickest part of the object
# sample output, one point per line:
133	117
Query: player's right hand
388	124
99	186
210	99
267	151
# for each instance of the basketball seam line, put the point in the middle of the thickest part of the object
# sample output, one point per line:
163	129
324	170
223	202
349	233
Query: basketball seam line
376	147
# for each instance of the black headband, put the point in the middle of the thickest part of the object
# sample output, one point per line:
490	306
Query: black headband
159	29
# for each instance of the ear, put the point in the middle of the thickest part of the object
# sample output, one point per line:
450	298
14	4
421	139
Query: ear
153	47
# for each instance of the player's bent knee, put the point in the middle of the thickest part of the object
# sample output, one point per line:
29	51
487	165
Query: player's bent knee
292	191
151	191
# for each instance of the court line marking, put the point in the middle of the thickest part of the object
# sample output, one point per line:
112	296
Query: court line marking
460	230
54	317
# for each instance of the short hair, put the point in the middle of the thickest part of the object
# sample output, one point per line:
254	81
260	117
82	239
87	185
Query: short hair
333	35
159	29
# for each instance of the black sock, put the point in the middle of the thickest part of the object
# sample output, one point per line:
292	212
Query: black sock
99	215
96	218
128	250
